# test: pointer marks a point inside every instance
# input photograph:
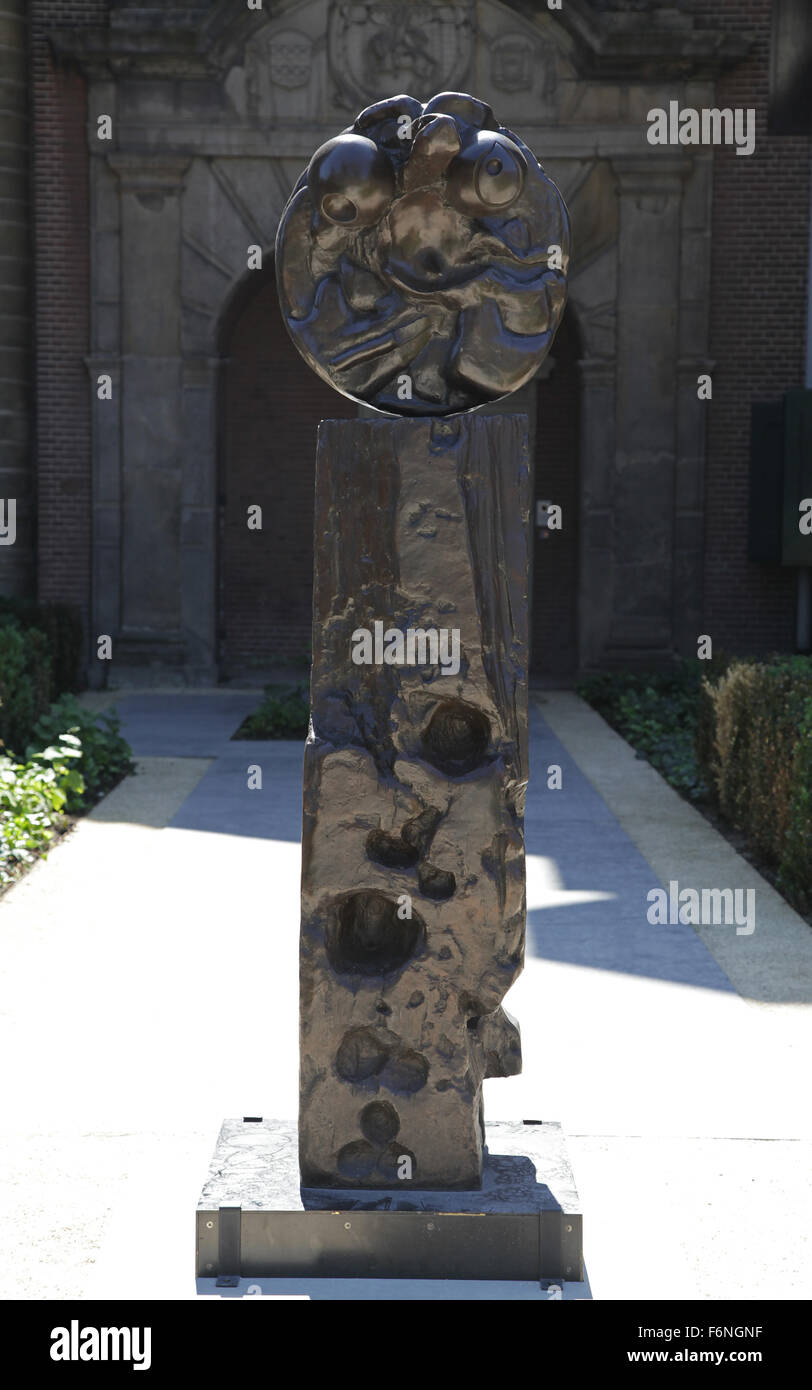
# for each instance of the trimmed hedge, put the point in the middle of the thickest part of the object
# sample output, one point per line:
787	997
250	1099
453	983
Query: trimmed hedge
759	763
735	734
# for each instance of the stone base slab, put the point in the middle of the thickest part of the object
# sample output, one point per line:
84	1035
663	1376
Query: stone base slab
255	1221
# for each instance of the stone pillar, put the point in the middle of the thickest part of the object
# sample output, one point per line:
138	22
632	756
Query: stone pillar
16	487
650	191
106	524
152	419
199	518
104	361
413	901
689	504
596	576
692	412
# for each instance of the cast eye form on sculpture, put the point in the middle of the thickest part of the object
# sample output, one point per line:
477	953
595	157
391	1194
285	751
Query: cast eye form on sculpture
415	647
422	258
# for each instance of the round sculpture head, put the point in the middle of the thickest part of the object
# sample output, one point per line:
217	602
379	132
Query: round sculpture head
421	259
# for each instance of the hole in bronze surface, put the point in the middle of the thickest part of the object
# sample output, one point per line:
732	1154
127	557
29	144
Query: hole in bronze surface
356	1160
362	1053
390	850
456	737
435	883
367	937
380	1122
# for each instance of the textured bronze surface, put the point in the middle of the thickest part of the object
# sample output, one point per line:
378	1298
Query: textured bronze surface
421	259
413	905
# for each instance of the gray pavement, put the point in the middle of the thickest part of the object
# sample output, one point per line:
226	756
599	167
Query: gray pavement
148	988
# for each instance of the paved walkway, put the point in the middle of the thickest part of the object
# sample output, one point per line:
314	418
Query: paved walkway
148	988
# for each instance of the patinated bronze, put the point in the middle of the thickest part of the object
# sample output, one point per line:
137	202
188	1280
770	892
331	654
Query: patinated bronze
422	257
422	267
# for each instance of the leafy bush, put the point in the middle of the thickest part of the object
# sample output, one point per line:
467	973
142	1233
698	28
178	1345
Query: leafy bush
25	682
284	712
61	624
75	758
34	797
105	757
657	712
40	651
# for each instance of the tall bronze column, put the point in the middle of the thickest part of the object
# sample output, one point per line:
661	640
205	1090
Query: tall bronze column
421	264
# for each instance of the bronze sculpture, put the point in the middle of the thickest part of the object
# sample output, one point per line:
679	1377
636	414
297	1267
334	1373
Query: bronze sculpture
421	266
422	258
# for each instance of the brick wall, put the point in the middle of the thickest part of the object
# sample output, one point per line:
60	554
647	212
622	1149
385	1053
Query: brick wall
272	404
16	470
61	297
760	249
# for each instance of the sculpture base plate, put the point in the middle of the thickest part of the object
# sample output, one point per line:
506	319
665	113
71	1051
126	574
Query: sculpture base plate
254	1219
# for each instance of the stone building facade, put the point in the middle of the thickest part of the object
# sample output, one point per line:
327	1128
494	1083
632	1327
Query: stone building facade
141	245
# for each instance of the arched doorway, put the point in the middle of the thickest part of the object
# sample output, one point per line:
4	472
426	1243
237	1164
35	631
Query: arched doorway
554	606
270	407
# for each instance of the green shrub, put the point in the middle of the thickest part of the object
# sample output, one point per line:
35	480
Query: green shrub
284	712
657	712
34	796
25	682
62	625
105	757
74	757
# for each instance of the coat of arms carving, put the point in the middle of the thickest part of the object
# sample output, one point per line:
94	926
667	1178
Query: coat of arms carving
389	46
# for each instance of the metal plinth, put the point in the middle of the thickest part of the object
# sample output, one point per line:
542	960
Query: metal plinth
254	1220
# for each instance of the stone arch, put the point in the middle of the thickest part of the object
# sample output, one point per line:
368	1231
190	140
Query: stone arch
228	206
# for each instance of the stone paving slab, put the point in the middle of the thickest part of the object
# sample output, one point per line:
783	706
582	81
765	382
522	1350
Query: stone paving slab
185	725
154	793
771	965
574	827
222	802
